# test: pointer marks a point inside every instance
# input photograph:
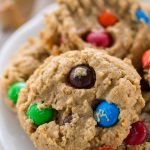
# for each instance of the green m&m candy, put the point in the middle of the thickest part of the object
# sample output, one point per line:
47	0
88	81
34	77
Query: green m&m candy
14	90
40	116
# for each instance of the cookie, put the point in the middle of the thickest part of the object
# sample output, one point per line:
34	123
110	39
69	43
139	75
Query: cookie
14	13
80	100
99	24
29	57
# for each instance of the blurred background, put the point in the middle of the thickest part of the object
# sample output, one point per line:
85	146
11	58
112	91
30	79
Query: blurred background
14	13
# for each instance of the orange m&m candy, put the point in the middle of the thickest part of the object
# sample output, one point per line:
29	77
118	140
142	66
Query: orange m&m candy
107	19
146	59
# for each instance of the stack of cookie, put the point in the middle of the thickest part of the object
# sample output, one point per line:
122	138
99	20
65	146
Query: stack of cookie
78	85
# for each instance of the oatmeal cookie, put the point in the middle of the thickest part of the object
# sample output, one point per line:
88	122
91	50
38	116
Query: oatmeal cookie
99	24
81	100
29	57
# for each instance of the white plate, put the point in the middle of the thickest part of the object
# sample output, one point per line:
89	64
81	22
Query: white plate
12	136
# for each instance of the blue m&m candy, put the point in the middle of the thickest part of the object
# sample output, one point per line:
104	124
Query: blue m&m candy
107	114
142	16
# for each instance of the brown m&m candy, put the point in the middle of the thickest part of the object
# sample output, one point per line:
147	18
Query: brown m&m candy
82	77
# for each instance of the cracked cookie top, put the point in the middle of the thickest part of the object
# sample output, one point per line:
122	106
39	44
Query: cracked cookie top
120	27
82	100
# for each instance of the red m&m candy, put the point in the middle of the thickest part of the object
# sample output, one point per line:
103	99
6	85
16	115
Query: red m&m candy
105	149
146	59
137	135
107	19
99	39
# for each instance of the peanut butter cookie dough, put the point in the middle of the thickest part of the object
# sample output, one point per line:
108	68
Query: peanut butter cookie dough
100	24
29	57
81	100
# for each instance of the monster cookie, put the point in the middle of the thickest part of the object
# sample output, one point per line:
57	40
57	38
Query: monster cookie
81	100
99	24
30	56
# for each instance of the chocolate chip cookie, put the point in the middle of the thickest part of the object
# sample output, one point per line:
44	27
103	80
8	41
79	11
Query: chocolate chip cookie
81	100
120	27
29	57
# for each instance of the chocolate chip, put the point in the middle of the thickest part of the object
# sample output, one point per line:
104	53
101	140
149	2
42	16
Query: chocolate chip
67	119
82	77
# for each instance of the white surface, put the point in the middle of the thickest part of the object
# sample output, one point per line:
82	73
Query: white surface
39	5
12	136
